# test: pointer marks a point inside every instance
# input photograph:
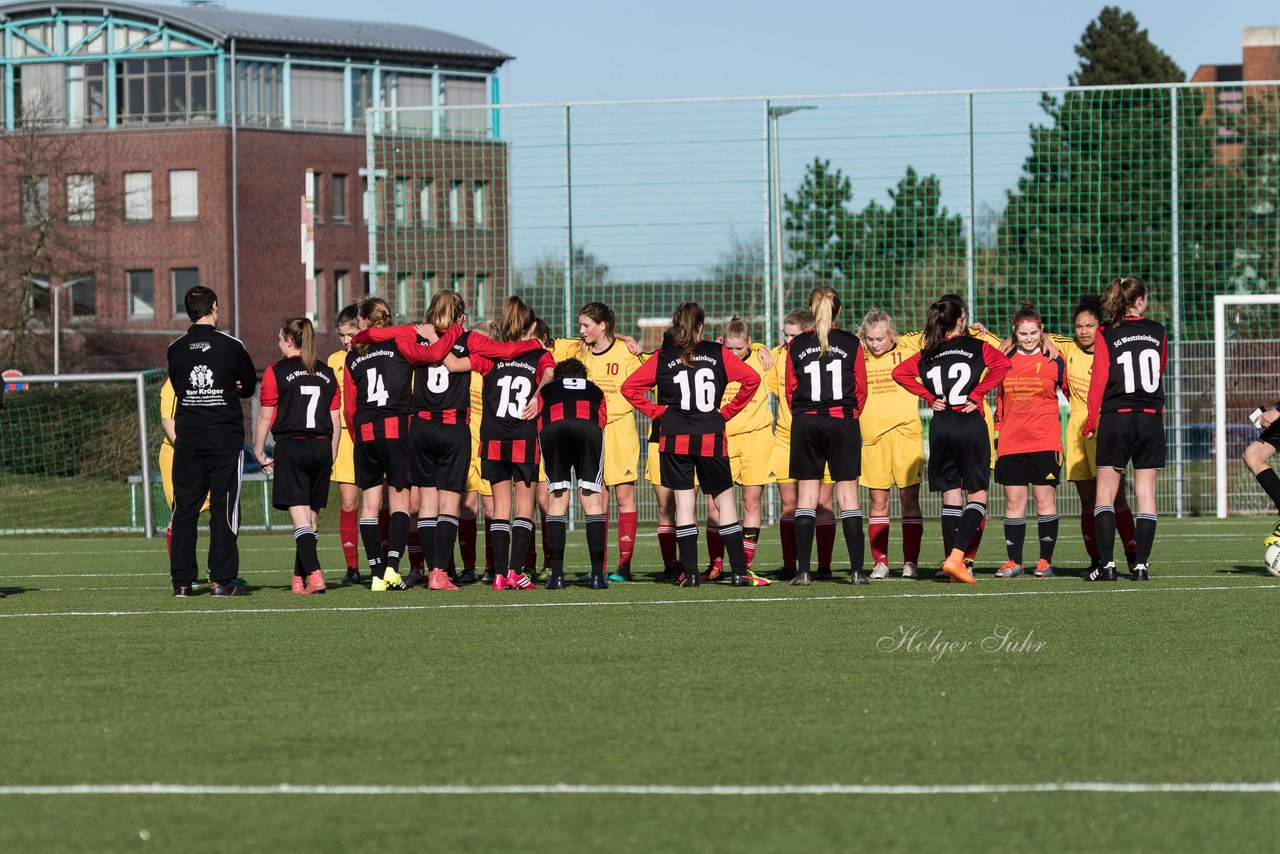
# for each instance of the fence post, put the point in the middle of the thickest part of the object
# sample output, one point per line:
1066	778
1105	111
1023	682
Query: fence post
1175	260
770	314
970	255
568	222
146	462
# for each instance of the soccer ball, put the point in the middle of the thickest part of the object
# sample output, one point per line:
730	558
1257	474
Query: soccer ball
1272	559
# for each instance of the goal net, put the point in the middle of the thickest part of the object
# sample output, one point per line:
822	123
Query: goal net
77	452
1246	363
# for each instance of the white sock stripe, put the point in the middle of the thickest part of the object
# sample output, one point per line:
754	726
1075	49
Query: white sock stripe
368	521
1015	522
1104	508
427	523
663	529
806	513
522	523
302	532
504	527
730	529
600	517
1049	518
912	520
687	531
1152	516
952	511
440	520
881	520
850	514
556	519
973	505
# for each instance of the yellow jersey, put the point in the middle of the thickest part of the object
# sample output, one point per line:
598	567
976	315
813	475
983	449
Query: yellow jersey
1079	371
776	384
889	405
756	415
337	362
608	370
168	407
477	407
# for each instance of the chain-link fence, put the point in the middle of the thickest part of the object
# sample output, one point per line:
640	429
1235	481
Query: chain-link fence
744	204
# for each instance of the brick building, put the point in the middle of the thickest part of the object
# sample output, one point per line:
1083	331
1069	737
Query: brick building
187	133
1260	49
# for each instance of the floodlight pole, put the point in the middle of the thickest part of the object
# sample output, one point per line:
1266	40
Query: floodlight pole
780	288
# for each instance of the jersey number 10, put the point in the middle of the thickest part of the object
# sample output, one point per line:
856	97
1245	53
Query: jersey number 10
1148	371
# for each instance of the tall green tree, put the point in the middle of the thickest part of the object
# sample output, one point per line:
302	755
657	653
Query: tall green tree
816	220
1095	197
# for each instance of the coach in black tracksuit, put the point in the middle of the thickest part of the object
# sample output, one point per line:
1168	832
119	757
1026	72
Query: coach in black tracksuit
210	372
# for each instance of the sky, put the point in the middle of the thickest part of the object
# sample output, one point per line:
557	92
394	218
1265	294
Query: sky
662	192
576	50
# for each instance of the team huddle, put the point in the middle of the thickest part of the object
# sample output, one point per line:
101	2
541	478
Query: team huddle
426	427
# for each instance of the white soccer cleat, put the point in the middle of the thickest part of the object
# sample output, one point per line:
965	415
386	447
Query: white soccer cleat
879	571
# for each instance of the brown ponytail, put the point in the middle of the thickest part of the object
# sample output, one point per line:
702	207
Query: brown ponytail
515	321
1120	296
939	323
374	311
824	304
445	309
302	334
686	325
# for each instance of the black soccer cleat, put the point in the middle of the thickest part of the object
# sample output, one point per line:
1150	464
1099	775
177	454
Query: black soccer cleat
690	580
488	576
1101	573
1140	572
181	591
782	573
823	573
555	582
352	576
467	576
671	574
415	578
859	577
801	579
230	589
598	581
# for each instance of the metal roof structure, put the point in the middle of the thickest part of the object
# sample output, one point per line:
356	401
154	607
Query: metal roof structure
221	24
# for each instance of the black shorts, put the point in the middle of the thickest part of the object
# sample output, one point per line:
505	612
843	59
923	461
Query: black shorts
302	473
496	471
573	447
1035	468
441	454
819	441
959	452
377	460
1136	437
1271	435
677	471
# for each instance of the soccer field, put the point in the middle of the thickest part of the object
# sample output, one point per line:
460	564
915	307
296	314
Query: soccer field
644	717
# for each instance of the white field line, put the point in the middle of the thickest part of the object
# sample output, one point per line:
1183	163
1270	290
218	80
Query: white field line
575	789
958	595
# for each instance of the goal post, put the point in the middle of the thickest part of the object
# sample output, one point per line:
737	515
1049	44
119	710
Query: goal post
1220	429
60	457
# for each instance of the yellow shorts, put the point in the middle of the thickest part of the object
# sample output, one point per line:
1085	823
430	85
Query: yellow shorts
344	465
895	459
651	469
781	461
166	476
751	457
476	483
621	451
1082	453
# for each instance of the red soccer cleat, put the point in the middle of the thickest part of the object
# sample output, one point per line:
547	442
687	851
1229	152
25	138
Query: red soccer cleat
439	580
519	581
298	585
315	582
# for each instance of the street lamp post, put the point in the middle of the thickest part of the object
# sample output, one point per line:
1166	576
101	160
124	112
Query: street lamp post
55	290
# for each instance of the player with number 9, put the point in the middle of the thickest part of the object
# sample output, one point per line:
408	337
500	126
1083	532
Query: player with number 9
1126	413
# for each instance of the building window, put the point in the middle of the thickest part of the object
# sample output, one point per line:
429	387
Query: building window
341	299
426	204
165	90
35	200
455	204
338	198
142	296
137	196
428	287
361	95
404	284
400	196
84	298
184	192
316	98
481	297
259	99
365	202
183	279
478	191
80	198
317	296
465	92
86	94
317	210
40	96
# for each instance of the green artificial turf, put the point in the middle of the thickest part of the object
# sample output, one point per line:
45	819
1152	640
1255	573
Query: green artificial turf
1173	681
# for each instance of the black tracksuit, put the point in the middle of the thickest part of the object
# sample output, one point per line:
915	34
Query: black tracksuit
205	366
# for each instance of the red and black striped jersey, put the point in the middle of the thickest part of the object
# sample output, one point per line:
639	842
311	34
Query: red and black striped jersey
377	387
688	396
509	386
302	401
572	397
1128	368
834	383
955	373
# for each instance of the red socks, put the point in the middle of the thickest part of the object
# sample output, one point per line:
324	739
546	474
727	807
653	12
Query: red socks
667	542
715	547
878	533
1127	530
787	533
912	533
977	540
488	543
1086	531
826	537
349	531
415	549
168	538
627	524
467	542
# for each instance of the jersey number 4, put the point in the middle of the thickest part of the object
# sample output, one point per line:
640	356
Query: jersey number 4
377	390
